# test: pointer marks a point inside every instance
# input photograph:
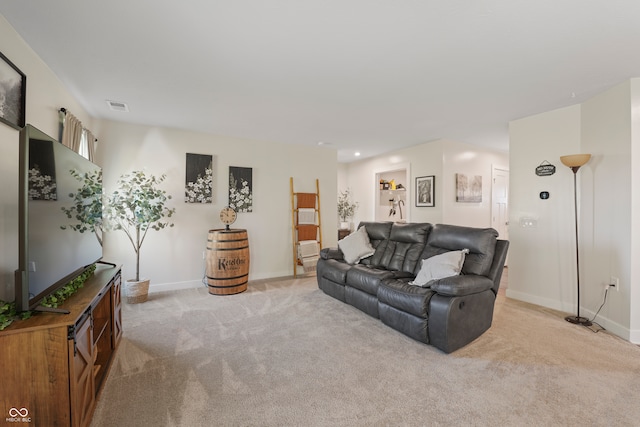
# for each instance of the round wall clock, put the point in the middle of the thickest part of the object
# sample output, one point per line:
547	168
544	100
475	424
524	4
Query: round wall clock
228	216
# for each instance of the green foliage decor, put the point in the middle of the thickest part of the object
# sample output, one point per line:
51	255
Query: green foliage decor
346	208
58	297
87	204
137	206
8	309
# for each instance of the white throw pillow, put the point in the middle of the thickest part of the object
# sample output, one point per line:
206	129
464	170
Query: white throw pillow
356	246
440	266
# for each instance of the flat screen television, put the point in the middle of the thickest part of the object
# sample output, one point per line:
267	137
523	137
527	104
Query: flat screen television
50	252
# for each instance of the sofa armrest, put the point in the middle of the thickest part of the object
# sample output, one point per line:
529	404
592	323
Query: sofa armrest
331	253
465	284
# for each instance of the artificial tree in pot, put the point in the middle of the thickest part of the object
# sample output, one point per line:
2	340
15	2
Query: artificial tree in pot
135	207
346	208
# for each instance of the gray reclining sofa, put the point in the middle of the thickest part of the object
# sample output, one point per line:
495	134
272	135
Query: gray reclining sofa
447	313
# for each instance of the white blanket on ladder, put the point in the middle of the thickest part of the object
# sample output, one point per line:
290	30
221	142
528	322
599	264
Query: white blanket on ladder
308	252
306	216
308	248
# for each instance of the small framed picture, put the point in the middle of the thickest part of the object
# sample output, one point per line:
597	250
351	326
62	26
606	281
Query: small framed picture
426	191
13	94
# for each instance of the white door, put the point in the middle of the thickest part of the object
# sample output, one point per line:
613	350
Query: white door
500	202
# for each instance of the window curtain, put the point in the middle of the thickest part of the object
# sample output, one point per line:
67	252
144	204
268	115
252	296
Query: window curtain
72	132
91	144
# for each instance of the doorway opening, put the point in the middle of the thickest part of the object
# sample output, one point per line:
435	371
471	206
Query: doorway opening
500	201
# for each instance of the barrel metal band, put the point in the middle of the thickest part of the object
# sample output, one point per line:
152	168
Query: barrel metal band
227	287
227	278
228	249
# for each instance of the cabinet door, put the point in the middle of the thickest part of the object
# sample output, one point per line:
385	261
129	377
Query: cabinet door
83	392
117	310
34	377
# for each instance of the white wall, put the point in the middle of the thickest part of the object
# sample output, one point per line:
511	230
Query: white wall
172	258
634	254
542	267
541	261
45	96
606	205
342	177
441	158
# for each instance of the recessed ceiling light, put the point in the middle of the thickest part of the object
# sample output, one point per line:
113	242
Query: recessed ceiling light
357	153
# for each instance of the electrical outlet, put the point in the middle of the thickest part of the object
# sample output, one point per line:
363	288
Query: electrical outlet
203	254
614	282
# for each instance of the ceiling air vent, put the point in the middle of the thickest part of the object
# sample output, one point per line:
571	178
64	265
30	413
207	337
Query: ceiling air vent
118	106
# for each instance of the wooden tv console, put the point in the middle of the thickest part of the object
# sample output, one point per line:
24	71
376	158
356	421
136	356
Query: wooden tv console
54	365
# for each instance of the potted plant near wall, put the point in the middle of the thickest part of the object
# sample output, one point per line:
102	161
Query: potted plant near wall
135	207
346	209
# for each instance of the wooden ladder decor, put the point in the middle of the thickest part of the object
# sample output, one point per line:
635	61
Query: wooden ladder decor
306	229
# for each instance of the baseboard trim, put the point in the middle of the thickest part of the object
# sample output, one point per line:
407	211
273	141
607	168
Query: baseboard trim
534	299
611	326
175	286
190	284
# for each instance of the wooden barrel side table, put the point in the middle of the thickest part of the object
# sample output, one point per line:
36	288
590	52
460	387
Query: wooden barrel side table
227	261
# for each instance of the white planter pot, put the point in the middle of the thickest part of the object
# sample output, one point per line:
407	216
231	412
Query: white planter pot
345	225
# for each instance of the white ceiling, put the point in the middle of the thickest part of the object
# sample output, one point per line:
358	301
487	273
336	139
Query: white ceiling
358	75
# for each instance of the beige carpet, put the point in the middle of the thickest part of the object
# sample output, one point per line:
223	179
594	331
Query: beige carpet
285	354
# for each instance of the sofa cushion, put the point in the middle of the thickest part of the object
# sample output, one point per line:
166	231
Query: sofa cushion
399	294
379	233
367	278
437	267
356	246
406	244
481	243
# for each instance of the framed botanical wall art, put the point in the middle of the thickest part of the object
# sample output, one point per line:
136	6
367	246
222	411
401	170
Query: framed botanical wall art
13	94
199	178
468	189
425	191
240	189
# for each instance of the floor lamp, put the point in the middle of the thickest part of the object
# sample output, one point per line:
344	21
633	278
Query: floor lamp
574	162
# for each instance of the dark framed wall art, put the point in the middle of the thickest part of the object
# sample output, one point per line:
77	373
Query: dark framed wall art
199	178
425	191
13	94
241	189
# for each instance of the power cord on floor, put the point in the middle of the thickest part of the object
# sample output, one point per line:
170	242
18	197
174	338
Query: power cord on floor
204	277
606	292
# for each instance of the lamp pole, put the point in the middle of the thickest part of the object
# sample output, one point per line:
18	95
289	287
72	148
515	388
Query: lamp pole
574	162
577	319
